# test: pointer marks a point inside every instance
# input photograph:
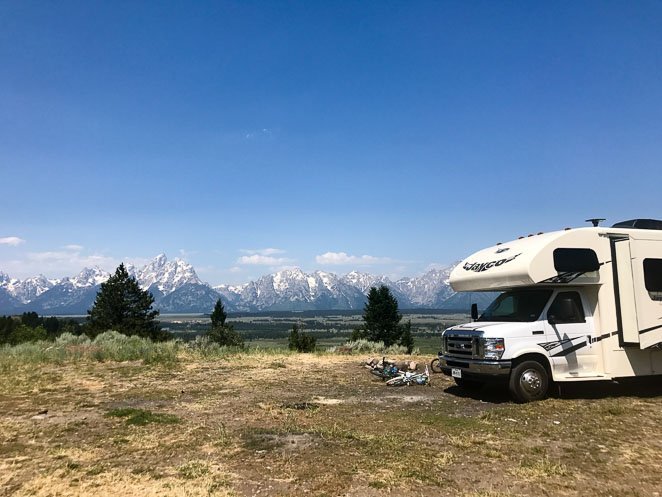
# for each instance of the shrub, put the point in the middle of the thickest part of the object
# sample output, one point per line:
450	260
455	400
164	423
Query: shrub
69	339
300	341
113	346
362	345
204	347
225	335
108	346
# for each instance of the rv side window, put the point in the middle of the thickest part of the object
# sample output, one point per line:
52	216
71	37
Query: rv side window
575	260
653	278
566	308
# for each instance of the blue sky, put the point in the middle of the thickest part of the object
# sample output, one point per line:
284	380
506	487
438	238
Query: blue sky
380	136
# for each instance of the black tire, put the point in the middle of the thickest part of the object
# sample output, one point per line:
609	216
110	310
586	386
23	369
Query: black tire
529	381
435	367
379	373
468	384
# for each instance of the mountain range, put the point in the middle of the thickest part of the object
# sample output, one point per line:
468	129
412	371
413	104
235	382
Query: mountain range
177	289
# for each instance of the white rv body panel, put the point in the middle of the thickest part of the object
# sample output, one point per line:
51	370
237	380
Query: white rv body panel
524	262
610	276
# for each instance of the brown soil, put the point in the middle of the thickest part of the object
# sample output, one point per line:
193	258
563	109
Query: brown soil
315	425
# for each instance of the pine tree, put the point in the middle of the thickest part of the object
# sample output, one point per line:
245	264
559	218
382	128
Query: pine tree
221	333
121	305
381	317
406	338
218	316
293	342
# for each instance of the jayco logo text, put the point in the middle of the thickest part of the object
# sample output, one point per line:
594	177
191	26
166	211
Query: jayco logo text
484	266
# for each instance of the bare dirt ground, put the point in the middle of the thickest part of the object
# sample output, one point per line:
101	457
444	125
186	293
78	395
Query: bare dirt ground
281	425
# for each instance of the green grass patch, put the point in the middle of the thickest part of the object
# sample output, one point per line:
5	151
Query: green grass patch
141	417
193	469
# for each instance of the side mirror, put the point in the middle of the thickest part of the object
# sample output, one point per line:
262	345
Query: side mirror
474	312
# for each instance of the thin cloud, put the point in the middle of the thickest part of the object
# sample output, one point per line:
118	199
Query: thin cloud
11	240
74	247
342	258
187	253
72	259
56	263
262	260
263	257
256	134
264	251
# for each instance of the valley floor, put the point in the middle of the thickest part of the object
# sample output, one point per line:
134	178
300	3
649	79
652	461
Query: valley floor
320	425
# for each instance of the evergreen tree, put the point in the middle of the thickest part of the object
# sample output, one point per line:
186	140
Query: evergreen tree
300	341
31	319
218	316
7	327
293	341
121	305
23	333
221	333
52	326
406	338
381	317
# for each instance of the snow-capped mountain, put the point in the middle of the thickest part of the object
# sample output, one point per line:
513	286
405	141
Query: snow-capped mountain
88	277
75	295
26	290
364	281
166	276
292	289
428	290
177	289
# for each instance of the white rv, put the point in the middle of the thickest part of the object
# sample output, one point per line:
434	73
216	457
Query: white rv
581	304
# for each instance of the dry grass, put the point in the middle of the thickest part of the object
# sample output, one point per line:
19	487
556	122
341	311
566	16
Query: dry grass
279	425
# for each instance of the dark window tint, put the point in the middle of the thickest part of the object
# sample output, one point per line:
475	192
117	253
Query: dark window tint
653	278
566	308
517	305
575	260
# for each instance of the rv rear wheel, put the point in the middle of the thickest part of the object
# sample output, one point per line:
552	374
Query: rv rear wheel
529	381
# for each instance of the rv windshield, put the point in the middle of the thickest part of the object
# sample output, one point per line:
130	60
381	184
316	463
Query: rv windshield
517	305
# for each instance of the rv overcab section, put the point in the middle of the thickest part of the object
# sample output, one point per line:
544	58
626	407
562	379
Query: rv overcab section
583	303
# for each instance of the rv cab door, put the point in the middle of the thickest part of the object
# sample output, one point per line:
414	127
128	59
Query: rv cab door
568	330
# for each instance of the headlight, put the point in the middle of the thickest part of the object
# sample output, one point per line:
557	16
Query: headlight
444	345
492	348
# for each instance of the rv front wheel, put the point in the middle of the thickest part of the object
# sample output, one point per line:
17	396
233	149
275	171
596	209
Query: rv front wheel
529	381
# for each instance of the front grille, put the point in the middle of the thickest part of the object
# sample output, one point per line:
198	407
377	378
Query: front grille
456	364
461	345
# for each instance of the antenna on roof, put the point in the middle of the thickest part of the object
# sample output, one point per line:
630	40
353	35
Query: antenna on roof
596	221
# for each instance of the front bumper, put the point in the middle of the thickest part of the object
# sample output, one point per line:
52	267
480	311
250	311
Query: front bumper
475	367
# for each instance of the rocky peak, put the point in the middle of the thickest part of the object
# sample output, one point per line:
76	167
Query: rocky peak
90	277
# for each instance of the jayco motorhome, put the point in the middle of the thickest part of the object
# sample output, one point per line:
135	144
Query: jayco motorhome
580	304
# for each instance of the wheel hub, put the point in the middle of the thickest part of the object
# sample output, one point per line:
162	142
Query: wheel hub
531	382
